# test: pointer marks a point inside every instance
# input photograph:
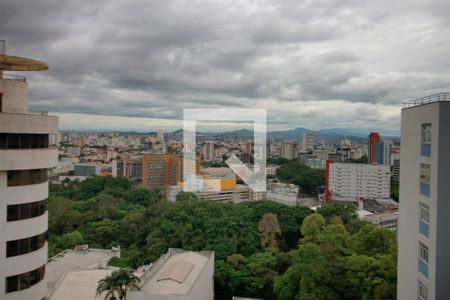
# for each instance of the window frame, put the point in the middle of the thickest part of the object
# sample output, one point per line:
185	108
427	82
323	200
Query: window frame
426	130
422	291
424	252
25	280
425	173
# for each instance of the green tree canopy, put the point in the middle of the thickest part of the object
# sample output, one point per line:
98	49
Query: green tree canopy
312	227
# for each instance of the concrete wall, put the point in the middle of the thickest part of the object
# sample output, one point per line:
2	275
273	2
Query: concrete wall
23	123
443	205
438	242
15	94
26	159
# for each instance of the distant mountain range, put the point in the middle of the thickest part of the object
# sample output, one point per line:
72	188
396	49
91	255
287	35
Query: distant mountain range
330	135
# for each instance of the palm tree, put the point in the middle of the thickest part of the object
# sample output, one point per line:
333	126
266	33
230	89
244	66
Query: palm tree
119	282
126	280
107	285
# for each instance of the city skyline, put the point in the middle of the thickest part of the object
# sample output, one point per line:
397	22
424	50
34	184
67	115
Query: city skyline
97	123
316	65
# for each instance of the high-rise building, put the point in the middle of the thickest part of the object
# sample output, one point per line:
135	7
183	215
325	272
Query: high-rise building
307	142
25	156
396	169
375	149
424	235
160	136
129	168
208	151
351	181
249	147
289	150
161	170
268	146
387	145
322	154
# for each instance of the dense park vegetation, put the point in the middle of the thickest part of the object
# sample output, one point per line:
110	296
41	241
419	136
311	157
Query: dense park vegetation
297	172
263	249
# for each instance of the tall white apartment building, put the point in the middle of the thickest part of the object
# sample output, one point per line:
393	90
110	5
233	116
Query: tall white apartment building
25	156
208	151
307	142
351	181
160	136
424	219
289	150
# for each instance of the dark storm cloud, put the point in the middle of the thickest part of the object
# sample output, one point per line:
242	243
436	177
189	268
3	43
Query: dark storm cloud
154	58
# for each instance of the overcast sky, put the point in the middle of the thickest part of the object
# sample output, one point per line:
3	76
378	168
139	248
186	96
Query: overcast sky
313	64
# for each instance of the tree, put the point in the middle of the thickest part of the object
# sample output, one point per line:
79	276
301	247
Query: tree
71	239
186	196
372	241
395	189
344	210
334	241
278	161
119	282
63	217
108	285
261	276
312	272
139	196
298	173
311	228
364	275
117	213
269	230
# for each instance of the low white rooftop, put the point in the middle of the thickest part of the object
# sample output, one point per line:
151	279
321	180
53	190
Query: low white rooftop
80	285
176	275
59	266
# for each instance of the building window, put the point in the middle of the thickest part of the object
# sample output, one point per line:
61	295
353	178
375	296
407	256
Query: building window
422	291
24	280
27	177
23	141
425	178
424	223
423	259
25	211
426	140
24	246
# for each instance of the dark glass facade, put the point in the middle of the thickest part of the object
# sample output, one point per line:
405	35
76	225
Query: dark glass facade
26	245
25	211
26	177
23	141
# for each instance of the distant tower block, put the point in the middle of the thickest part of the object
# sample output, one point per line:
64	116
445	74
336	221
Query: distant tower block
25	156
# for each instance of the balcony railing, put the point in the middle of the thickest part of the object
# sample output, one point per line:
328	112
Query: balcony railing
21	111
13	77
428	99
